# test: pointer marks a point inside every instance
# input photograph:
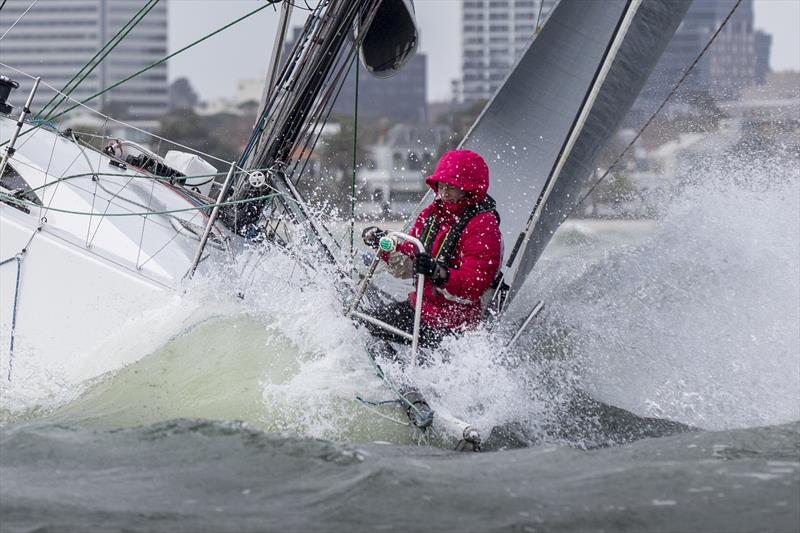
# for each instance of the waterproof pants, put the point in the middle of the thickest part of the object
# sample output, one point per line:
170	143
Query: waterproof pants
401	316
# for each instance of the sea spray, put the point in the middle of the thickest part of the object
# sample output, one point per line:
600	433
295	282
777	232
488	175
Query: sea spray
653	316
699	323
35	387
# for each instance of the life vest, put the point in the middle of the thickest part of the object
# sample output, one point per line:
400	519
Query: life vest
447	246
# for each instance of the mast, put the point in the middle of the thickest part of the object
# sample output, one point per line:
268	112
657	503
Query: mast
298	99
277	51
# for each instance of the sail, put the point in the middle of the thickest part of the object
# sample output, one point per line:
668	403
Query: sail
542	131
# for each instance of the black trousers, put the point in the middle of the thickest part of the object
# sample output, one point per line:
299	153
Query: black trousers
401	316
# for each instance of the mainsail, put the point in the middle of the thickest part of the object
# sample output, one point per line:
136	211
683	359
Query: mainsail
542	131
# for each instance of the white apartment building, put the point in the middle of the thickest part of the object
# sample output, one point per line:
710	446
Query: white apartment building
394	175
495	33
56	38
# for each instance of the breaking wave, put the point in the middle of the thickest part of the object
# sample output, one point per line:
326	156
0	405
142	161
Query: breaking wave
699	322
693	317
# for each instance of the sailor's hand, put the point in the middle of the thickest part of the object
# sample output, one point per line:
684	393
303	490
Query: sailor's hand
371	235
431	268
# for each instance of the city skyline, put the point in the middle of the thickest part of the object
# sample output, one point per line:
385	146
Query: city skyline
56	40
440	28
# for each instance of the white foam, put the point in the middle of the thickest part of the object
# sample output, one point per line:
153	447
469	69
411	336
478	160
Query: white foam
698	322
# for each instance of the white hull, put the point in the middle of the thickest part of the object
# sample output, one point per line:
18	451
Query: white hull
84	280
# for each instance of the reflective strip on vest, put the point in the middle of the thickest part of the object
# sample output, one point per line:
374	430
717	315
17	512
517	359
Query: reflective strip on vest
454	298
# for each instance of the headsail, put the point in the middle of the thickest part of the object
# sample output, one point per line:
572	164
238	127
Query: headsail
543	130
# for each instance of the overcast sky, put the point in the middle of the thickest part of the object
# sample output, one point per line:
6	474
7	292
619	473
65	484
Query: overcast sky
242	51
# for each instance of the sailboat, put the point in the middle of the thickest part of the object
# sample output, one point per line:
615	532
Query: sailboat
91	238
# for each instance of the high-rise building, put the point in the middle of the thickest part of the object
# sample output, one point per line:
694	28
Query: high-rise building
495	33
405	90
738	57
56	38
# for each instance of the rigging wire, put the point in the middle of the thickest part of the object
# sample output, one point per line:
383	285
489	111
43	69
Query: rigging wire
263	114
321	55
328	102
8	198
167	57
18	19
657	111
357	66
295	115
539	18
101	54
305	7
117	84
39	123
277	105
18	258
324	107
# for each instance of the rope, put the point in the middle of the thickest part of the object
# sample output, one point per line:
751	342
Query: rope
101	54
194	198
539	18
355	162
92	97
19	201
658	110
18	19
392	387
367	405
18	259
167	57
39	123
373	402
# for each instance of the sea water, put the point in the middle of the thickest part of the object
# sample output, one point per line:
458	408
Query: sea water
685	328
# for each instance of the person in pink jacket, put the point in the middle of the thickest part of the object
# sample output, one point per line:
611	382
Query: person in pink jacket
463	250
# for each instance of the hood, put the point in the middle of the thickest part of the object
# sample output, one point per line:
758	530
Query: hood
463	169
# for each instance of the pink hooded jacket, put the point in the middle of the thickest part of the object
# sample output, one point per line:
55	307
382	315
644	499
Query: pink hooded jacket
477	256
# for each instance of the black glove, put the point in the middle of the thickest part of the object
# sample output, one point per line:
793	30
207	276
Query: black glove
431	268
371	235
